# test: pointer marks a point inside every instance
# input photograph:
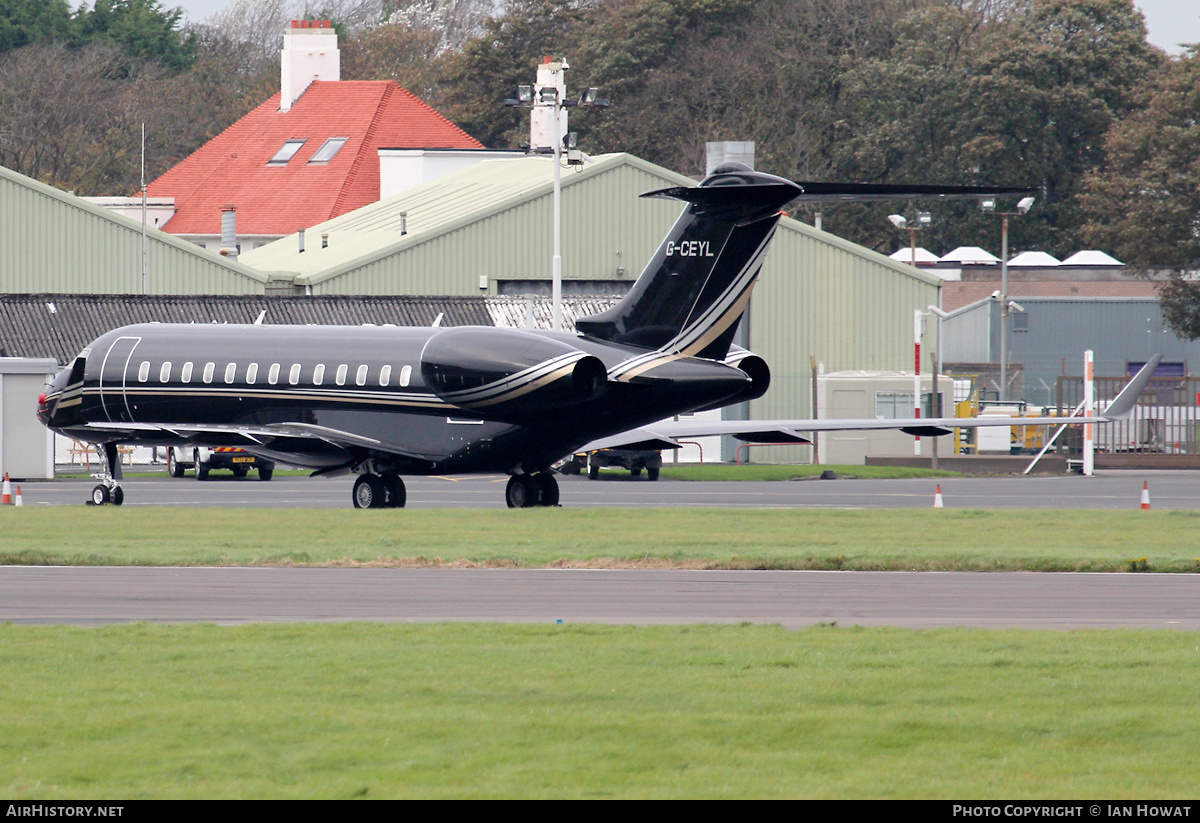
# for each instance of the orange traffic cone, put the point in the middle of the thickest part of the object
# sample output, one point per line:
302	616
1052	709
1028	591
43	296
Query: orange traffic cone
6	498
1145	495
18	501
937	497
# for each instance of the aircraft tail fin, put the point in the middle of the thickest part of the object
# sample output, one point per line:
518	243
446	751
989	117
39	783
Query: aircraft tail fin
693	291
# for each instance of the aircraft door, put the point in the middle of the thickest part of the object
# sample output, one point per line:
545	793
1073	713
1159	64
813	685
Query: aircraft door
113	372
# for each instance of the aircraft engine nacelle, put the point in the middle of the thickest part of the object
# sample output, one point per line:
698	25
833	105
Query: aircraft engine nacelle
509	371
755	368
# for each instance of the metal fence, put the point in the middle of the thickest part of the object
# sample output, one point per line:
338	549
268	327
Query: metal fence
1163	422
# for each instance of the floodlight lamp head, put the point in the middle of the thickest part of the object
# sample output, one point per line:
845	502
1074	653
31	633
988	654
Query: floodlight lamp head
1025	204
987	206
898	221
525	94
924	219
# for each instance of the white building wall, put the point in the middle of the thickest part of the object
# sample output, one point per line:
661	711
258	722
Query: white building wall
26	446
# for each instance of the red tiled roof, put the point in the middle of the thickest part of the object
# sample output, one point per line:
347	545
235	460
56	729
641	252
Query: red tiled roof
276	200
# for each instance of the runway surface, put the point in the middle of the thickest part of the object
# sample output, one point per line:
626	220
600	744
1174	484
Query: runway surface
1110	490
92	596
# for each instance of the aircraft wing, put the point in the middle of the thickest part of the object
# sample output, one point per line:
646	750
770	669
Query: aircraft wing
666	434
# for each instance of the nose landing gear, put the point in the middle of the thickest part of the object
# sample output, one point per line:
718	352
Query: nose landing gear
108	491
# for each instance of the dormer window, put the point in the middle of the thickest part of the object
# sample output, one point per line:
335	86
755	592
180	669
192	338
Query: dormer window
328	151
286	153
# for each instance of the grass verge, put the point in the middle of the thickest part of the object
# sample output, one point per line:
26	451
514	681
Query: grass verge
452	710
907	539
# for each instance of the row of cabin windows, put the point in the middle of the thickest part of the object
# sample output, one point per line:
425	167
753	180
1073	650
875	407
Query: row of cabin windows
293	374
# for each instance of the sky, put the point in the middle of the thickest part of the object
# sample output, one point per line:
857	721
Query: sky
1170	22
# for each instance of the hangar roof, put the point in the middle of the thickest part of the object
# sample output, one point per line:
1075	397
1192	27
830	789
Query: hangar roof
55	241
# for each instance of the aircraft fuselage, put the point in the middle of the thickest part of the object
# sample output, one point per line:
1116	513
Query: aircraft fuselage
381	383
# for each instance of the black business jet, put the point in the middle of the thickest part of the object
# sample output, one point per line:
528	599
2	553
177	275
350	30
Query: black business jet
382	402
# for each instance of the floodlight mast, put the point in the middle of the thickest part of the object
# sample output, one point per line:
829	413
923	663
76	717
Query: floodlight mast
989	207
548	134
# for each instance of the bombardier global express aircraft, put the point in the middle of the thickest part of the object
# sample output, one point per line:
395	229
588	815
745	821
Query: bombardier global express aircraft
382	402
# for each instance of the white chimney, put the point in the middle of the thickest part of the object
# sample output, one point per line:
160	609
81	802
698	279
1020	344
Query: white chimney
310	52
229	232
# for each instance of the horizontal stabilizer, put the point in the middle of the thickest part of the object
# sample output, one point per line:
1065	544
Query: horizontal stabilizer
868	192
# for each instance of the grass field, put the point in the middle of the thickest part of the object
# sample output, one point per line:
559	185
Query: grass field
377	711
923	539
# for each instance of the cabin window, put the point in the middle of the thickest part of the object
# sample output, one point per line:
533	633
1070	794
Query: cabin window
385	374
209	368
164	373
361	377
340	379
230	371
319	374
144	371
186	376
273	374
405	375
294	374
251	373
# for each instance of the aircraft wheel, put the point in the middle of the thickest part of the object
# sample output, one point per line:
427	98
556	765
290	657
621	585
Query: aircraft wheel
201	468
522	492
100	496
369	492
548	486
394	491
652	473
173	467
118	495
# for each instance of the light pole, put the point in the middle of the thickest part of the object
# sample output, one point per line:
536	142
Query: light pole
989	207
548	135
922	221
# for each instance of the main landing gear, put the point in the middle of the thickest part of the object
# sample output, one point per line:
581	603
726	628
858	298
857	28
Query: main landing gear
386	491
108	491
375	491
527	490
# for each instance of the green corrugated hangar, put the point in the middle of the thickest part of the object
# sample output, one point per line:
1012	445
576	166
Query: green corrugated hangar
488	228
56	242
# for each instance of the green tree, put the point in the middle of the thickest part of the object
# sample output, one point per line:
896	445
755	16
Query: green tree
1144	204
30	21
142	29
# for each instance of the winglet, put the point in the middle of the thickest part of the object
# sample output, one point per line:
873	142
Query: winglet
1122	405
